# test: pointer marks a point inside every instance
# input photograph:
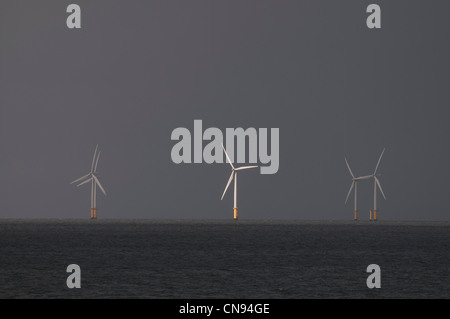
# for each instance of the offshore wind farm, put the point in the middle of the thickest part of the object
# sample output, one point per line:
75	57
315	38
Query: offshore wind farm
317	100
354	187
290	88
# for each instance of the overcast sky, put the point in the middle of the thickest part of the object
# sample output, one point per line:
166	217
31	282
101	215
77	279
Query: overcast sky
137	70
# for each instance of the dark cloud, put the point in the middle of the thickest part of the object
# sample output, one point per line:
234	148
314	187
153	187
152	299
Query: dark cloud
136	70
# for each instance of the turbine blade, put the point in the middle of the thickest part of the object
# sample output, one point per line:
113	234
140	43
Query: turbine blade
98	183
350	191
79	179
228	184
349	169
93	159
244	167
86	181
379	160
96	162
226	154
363	177
379	186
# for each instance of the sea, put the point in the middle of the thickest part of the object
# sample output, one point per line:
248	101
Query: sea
244	259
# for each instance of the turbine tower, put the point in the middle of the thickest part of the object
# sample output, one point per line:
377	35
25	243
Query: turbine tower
376	182
234	174
354	185
91	177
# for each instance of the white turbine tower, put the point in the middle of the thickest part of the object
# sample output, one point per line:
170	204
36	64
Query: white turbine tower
91	177
354	185
234	175
376	182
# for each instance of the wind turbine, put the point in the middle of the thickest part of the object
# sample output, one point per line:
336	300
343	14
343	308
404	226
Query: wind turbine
234	175
91	177
376	182
354	185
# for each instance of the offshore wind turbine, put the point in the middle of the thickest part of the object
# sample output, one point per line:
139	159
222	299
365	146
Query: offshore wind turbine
355	186
91	177
376	182
234	171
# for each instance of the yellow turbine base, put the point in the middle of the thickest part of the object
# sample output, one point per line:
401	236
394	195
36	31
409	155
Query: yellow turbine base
370	215
235	213
93	213
356	215
375	215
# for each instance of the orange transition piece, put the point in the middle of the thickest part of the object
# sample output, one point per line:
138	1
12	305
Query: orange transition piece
235	213
375	215
93	213
356	215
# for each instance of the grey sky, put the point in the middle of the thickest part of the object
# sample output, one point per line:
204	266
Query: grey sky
139	69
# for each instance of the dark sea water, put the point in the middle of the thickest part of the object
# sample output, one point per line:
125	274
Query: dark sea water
223	259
